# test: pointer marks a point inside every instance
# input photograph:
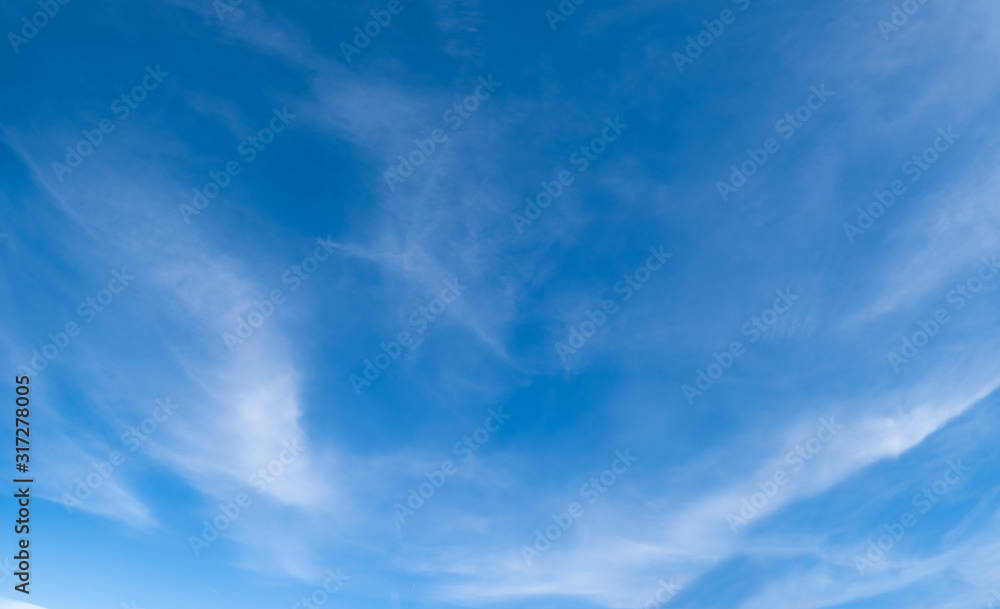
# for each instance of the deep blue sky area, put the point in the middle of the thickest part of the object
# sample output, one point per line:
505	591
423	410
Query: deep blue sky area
419	304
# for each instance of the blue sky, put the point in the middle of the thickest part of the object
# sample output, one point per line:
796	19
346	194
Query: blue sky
636	304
